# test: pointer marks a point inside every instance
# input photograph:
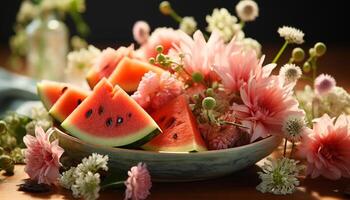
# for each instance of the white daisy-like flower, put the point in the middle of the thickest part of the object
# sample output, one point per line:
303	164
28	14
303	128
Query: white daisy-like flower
290	73
324	83
93	163
27	12
67	179
291	35
279	176
249	44
247	10
293	128
83	59
336	102
224	22
87	186
188	25
40	117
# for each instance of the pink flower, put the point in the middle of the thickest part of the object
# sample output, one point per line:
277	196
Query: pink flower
155	90
139	183
266	105
324	83
167	37
141	31
327	148
42	157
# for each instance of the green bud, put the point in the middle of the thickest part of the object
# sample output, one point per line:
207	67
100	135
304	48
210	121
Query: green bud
7	164
197	77
208	103
1	150
160	58
312	52
298	54
152	61
195	97
215	85
17	155
209	92
3	127
307	67
159	48
320	49
165	8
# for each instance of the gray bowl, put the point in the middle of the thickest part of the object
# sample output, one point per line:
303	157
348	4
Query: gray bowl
173	167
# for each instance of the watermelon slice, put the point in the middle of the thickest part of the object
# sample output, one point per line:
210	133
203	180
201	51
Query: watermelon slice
109	117
50	91
129	73
65	105
180	132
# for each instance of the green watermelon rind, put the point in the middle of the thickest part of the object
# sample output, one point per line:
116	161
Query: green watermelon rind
136	138
47	104
191	147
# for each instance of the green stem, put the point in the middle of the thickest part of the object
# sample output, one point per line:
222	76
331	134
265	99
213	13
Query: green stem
291	151
175	16
280	52
307	78
114	184
314	69
233	123
242	23
285	148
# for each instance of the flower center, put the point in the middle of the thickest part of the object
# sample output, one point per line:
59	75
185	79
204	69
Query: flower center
325	152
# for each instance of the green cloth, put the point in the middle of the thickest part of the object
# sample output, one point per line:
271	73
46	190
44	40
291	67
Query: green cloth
15	90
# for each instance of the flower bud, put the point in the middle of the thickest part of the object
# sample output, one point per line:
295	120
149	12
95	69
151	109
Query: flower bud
165	8
3	127
209	92
160	58
307	67
1	150
298	54
312	52
197	77
320	49
152	61
159	48
7	164
208	103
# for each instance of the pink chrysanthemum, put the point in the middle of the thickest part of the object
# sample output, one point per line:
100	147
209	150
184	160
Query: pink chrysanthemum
139	183
327	148
324	83
167	37
141	31
155	90
266	104
42	157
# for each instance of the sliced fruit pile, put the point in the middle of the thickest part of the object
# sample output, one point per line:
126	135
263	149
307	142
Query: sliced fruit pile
108	116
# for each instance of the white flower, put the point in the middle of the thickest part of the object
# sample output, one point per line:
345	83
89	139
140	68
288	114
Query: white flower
93	163
247	10
290	73
279	176
324	83
87	186
224	22
83	59
293	128
336	102
27	12
40	117
291	35
249	44
188	25
67	178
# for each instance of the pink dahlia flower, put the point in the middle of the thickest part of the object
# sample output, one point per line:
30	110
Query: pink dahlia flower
139	183
155	90
324	83
167	37
327	148
42	157
266	105
141	31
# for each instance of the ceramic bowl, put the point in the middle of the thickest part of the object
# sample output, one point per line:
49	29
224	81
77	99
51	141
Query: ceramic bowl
174	167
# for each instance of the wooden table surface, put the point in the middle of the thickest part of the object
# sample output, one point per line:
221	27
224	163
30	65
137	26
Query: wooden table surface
240	185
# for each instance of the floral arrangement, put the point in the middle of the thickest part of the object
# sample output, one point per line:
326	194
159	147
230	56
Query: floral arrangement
235	98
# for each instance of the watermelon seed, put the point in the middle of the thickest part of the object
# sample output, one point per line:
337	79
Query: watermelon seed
129	115
88	113
175	136
64	89
79	101
100	110
119	120
109	122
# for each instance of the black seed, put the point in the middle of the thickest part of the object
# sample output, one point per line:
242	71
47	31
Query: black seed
88	113
100	110
175	136
109	122
119	120
129	115
64	89
79	101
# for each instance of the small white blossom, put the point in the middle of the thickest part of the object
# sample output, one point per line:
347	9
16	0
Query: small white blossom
324	83
93	163
290	73
83	59
247	10
27	12
41	118
291	35
249	44
279	176
67	178
188	25
336	102
87	186
293	128
224	22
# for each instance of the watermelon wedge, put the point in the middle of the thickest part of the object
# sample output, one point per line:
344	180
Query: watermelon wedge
65	105
109	117
129	73
50	91
180	132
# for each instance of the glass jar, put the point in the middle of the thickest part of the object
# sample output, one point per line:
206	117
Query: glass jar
47	47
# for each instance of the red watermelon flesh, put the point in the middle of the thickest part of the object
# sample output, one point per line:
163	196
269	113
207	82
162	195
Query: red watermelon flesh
109	117
50	91
106	63
65	105
180	132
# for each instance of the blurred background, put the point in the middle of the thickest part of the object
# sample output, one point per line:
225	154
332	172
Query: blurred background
111	23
